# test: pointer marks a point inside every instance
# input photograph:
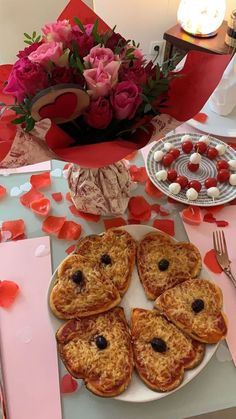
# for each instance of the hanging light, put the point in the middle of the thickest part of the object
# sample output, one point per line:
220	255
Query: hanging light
201	18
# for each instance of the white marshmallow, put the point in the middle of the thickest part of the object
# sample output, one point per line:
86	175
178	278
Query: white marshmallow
195	158
221	149
213	192
174	188
192	194
232	179
205	139
168	146
158	155
186	137
161	175
232	164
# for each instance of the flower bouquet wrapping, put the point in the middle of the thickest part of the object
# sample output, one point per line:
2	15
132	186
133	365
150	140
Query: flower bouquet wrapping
82	93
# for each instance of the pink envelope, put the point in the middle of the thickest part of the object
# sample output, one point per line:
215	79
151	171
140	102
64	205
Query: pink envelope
28	346
201	236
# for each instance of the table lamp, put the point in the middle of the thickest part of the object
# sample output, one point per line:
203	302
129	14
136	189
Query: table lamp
201	18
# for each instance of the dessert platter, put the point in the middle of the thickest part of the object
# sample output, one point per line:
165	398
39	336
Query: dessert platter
134	313
193	169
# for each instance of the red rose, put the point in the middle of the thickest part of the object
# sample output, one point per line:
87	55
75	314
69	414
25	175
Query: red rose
84	41
62	75
99	113
135	72
125	99
115	40
27	51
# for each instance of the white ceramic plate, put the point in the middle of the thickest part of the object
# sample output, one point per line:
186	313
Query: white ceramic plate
135	297
207	169
224	126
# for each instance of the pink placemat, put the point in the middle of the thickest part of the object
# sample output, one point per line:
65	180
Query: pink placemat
201	236
28	346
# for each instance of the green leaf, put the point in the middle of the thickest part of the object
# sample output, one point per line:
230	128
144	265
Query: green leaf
27	103
33	34
18	110
113	29
95	32
27	35
79	23
2	104
29	124
147	108
28	42
38	38
18	120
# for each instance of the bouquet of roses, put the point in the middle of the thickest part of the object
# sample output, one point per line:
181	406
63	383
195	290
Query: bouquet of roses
80	92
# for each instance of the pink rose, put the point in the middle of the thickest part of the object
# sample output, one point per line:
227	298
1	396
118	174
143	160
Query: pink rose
59	31
125	99
49	51
27	51
101	80
26	79
99	113
97	55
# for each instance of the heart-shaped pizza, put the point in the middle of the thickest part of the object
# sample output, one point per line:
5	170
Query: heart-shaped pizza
98	349
163	263
195	306
81	289
114	252
161	351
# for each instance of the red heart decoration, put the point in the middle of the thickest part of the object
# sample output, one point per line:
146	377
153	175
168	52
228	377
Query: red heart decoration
8	293
208	218
68	384
192	215
41	207
211	262
63	107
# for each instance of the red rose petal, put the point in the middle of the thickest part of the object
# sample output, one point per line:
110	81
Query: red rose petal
139	208
69	231
16	228
172	200
222	223
8	293
209	218
192	215
131	156
41	180
233	202
156	208
152	191
114	222
70	249
3	191
167	226
68	197
201	117
29	197
131	221
57	196
52	224
211	262
214	209
138	174
89	217
66	166
68	384
41	207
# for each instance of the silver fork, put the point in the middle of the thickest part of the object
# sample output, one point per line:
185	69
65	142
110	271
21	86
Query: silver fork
222	256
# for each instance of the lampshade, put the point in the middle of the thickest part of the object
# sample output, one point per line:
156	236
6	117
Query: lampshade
201	17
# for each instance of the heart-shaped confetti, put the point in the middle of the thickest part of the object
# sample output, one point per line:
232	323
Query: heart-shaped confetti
139	208
29	197
211	262
15	227
25	187
57	196
69	231
56	173
53	224
114	222
68	384
192	215
6	235
41	180
3	191
168	226
152	191
41	251
41	207
223	354
15	191
8	293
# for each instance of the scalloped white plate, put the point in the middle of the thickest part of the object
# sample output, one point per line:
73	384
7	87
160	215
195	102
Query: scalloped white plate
207	169
135	297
